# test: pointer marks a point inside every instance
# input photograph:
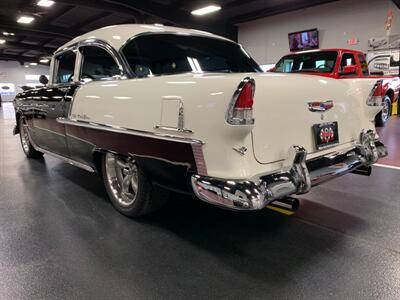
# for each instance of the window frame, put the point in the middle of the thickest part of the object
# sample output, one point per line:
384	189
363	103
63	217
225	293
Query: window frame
122	74
122	65
55	66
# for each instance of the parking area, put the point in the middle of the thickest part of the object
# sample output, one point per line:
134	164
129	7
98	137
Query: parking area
61	238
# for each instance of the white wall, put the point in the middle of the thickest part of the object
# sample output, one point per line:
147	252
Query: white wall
13	72
267	39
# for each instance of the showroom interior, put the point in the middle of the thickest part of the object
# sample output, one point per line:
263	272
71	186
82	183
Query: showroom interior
60	236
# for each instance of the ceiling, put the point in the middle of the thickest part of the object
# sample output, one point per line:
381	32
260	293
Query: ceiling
66	19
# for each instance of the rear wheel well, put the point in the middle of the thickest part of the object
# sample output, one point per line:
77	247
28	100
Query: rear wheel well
97	157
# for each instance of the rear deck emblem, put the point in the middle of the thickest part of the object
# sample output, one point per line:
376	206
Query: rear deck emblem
320	106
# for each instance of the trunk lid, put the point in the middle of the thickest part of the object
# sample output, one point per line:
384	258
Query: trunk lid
283	118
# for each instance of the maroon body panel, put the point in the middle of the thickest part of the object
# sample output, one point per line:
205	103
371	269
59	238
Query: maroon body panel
128	144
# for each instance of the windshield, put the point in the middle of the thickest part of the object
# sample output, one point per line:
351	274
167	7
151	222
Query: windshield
160	54
321	62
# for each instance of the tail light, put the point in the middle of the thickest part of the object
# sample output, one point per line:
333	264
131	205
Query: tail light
375	98
240	111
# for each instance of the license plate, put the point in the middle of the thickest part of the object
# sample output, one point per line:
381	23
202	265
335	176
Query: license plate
325	135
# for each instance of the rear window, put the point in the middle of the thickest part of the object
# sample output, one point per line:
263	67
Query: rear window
161	54
321	62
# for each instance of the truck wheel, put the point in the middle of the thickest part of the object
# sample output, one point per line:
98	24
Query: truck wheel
129	189
27	147
383	116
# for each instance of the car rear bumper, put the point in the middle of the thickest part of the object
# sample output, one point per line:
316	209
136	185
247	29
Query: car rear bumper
297	176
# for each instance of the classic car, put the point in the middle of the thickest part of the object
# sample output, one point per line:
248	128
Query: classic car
342	64
155	109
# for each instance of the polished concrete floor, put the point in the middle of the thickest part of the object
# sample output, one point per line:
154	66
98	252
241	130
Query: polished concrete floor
61	239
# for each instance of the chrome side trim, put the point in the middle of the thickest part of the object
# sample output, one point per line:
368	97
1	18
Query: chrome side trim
176	129
67	160
98	126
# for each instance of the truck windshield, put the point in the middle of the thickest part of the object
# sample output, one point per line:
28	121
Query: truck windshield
320	62
161	54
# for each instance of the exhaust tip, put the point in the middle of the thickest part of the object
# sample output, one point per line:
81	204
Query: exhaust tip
287	206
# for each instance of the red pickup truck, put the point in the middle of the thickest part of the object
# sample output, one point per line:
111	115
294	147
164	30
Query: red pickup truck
341	64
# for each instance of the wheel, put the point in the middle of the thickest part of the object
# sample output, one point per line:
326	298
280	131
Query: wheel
383	116
27	147
129	189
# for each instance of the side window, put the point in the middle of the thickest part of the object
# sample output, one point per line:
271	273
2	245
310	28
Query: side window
347	60
65	63
364	65
285	65
97	64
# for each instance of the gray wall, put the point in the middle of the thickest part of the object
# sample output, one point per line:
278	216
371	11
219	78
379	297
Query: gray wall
13	72
267	39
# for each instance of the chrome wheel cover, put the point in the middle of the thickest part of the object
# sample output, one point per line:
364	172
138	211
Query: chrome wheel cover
24	136
122	178
385	111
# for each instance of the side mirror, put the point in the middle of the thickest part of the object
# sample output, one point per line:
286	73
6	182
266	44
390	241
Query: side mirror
349	70
43	80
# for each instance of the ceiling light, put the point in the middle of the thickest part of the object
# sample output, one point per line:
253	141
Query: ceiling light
25	19
45	3
44	60
2	42
33	64
206	10
8	33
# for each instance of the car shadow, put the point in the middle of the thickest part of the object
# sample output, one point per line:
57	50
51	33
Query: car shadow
264	245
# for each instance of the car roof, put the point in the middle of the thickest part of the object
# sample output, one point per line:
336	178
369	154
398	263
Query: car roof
327	49
118	35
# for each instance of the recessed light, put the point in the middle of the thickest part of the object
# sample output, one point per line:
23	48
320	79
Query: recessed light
206	10
33	64
25	19
44	60
45	3
2	42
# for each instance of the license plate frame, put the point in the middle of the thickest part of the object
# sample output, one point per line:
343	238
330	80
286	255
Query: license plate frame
325	135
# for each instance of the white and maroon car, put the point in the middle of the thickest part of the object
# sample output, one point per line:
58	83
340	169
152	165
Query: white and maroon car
156	108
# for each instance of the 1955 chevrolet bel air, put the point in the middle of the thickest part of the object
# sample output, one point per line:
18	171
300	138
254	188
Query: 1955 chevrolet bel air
156	109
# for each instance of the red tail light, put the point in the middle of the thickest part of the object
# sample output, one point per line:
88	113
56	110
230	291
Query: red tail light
245	99
240	111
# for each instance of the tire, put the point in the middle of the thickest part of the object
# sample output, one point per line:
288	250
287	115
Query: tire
27	147
129	189
383	116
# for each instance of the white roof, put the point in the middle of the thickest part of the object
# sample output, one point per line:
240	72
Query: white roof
117	35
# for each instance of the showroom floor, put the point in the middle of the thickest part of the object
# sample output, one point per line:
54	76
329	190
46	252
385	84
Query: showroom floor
60	238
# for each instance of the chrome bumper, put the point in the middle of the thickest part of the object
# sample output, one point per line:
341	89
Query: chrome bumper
296	177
